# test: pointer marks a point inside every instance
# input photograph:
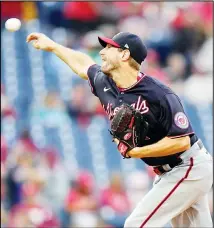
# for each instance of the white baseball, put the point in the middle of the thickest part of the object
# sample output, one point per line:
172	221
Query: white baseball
13	24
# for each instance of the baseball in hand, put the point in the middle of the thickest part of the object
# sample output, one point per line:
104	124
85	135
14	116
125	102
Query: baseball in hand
13	24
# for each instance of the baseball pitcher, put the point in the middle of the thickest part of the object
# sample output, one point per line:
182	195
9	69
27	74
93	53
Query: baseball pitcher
148	122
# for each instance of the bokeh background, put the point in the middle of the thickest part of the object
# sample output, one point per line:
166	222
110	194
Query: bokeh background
59	167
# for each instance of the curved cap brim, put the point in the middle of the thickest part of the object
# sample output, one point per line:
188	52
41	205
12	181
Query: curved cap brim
104	41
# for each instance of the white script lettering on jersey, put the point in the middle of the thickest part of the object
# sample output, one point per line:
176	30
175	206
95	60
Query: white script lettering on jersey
140	106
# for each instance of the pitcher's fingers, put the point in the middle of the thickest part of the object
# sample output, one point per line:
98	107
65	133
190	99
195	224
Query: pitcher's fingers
32	36
36	45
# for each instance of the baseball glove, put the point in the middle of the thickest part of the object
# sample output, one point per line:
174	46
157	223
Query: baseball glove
129	127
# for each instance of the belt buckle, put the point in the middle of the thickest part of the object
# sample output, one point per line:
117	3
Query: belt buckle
167	167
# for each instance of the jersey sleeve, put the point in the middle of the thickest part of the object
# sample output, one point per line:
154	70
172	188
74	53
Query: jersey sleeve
94	74
173	118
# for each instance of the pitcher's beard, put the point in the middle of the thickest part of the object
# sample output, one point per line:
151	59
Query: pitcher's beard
106	69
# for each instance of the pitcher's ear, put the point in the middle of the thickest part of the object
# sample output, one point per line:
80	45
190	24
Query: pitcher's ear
125	55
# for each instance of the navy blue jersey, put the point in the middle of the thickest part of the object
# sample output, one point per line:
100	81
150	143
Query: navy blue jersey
159	105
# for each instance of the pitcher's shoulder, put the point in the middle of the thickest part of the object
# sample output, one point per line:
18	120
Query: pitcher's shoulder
155	89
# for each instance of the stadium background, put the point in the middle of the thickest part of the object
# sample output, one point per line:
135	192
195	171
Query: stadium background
58	164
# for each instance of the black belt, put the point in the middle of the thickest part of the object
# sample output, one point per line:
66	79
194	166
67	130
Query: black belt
168	167
193	139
